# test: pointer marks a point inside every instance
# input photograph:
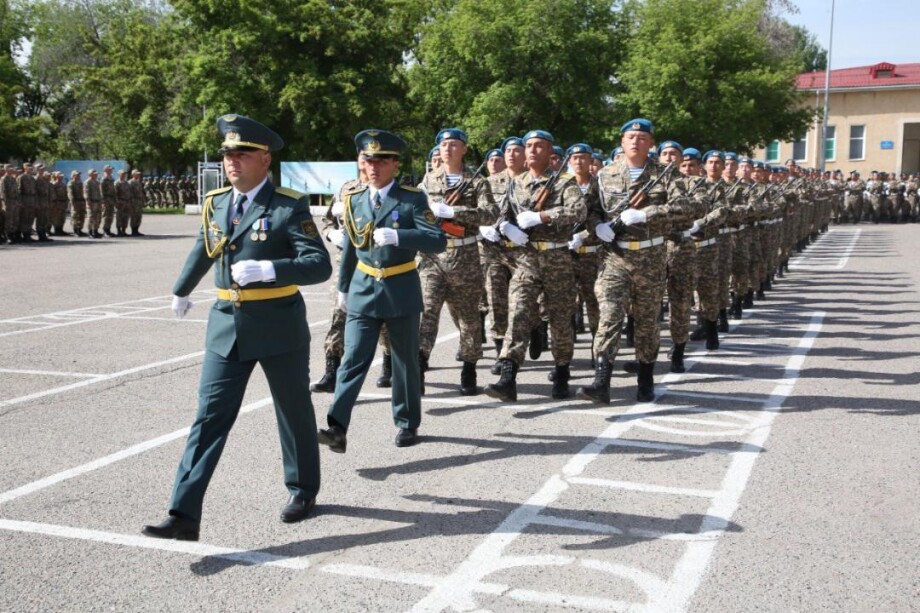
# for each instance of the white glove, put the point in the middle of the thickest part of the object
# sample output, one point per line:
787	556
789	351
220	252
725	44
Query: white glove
181	305
489	233
576	242
514	234
245	272
441	209
695	228
338	207
528	219
337	238
604	232
342	302
386	236
632	217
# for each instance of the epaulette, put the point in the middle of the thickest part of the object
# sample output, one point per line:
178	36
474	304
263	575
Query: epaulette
566	176
410	188
290	193
357	189
219	190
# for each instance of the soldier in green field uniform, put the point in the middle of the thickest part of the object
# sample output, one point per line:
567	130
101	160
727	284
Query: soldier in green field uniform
262	243
386	224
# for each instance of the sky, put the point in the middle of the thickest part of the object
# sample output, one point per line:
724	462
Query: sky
866	32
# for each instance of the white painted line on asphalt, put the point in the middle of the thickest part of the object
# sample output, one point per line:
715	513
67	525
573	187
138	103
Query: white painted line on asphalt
575	524
568	600
719	432
708	396
648	488
254	558
50	373
183	320
409	578
840	261
712	359
692	421
689	571
671	447
35	486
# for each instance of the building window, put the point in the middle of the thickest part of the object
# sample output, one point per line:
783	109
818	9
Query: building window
830	144
773	151
857	142
800	149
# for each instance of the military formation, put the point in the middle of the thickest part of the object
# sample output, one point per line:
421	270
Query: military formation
34	204
170	191
554	242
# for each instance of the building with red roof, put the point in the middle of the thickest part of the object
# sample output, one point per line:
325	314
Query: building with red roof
873	120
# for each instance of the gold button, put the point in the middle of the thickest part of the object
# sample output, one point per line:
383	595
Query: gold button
234	286
237	304
376	262
232	247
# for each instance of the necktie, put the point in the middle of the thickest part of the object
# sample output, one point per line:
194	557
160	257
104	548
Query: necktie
377	200
238	214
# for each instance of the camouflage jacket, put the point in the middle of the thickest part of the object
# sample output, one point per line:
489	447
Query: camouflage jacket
92	192
564	207
475	208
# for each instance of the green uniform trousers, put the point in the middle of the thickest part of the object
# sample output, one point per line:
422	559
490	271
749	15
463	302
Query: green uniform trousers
220	395
361	334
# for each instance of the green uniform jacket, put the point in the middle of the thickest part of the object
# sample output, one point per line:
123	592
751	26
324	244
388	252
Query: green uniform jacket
406	210
259	328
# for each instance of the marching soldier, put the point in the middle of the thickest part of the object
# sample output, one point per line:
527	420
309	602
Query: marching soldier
122	203
137	203
583	244
632	217
58	204
462	202
262	244
42	203
387	225
547	204
109	199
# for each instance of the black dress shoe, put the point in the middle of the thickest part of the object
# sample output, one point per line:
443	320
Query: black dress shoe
297	509
178	528
406	437
334	438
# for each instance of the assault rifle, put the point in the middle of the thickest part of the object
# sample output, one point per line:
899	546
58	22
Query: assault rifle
613	215
453	196
547	188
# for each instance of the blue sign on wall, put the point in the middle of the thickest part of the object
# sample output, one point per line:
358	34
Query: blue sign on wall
317	177
887	144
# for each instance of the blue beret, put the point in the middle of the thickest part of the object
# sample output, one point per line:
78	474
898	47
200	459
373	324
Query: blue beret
512	141
244	134
379	143
455	133
598	156
653	154
670	144
558	151
616	152
760	165
638	125
731	155
493	153
579	148
713	153
691	153
434	150
745	160
539	134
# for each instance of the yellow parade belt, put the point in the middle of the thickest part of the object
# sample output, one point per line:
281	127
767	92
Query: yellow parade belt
383	273
262	293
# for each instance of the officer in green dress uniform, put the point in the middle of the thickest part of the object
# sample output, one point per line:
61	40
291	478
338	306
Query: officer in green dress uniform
387	224
262	243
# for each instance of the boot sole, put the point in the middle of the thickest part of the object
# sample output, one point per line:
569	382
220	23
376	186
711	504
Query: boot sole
581	395
491	393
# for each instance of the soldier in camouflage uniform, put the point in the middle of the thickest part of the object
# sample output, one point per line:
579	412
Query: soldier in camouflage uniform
58	213
744	212
42	203
911	188
853	198
497	255
542	264
584	245
463	202
9	199
137	203
77	203
109	200
92	193
26	185
634	214
876	196
122	203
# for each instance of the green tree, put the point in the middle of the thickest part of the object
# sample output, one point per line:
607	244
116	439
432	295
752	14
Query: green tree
500	68
708	77
21	134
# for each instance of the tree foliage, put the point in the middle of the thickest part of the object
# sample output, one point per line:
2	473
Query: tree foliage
709	78
20	136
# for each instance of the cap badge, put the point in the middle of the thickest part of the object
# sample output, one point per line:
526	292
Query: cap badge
229	118
372	133
636	126
373	146
232	137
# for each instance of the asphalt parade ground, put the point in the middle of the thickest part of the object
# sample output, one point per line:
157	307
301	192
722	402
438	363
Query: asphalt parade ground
779	473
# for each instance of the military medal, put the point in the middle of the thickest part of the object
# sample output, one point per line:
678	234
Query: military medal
263	228
395	217
255	231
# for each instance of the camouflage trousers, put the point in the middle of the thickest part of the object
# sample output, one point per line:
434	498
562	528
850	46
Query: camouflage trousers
585	266
122	215
637	279
42	215
455	278
725	266
681	264
334	343
741	261
78	215
707	283
95	215
58	214
108	214
771	242
497	270
548	271
137	214
755	251
26	215
12	218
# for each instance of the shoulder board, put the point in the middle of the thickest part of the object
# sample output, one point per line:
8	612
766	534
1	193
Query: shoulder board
221	190
566	176
410	188
357	189
290	193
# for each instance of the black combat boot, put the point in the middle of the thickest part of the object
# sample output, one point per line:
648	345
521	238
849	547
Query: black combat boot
544	334
482	322
760	290
646	381
748	302
630	331
497	367
535	349
631	366
768	284
599	391
677	358
468	380
327	382
737	311
723	320
506	386
712	335
561	382
43	237
700	332
386	371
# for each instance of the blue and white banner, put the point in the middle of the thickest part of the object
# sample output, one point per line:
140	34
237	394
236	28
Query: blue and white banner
317	177
84	166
